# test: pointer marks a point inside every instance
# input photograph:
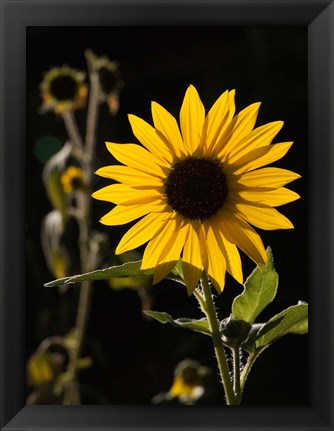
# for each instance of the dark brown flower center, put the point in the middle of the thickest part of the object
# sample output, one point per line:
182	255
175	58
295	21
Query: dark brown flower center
64	87
107	80
196	187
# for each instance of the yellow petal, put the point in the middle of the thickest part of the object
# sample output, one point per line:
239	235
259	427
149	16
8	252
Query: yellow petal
215	120
259	157
142	231
240	127
143	196
273	198
162	270
170	254
165	248
147	135
265	178
167	128
225	129
191	119
262	216
239	232
233	261
124	214
191	258
112	193
125	195
260	136
137	157
130	177
216	264
230	252
156	246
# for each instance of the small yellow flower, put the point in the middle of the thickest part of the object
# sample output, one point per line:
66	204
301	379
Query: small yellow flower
198	189
188	381
72	179
182	389
63	89
40	368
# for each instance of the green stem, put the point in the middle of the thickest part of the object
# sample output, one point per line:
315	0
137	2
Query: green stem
72	129
200	300
72	394
87	257
93	106
250	361
217	341
236	373
54	340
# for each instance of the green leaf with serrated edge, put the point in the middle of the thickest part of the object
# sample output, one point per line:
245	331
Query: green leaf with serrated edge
293	320
129	269
200	325
259	290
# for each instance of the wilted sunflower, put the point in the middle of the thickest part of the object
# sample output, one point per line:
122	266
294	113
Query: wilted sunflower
63	89
199	190
108	73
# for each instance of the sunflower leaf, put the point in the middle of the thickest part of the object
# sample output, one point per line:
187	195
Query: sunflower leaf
249	343
133	283
129	269
200	325
259	290
52	172
56	193
293	320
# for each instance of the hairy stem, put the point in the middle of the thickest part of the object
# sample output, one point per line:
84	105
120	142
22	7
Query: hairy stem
200	300
217	341
236	373
250	361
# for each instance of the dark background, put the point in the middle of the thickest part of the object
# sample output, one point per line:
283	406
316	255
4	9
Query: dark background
134	358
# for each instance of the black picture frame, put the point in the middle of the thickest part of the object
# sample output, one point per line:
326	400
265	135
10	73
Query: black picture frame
317	15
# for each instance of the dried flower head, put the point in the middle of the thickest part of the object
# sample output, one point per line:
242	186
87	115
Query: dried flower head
63	89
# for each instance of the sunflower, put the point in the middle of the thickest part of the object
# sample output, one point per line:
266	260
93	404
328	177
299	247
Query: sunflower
63	89
198	189
72	179
188	381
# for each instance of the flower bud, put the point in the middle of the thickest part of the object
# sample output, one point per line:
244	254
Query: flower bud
234	331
